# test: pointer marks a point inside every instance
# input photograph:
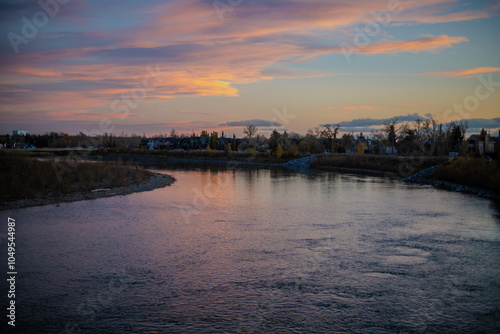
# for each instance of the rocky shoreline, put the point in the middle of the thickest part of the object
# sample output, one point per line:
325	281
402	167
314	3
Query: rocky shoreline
425	178
156	181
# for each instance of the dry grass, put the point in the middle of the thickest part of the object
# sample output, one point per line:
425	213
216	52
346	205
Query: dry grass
24	177
473	172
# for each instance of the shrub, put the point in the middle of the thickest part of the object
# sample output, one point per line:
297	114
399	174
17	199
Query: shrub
279	151
473	172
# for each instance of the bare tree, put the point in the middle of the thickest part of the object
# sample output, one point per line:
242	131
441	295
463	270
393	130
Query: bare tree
250	130
464	125
330	135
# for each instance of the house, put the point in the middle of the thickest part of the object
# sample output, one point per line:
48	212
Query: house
476	143
20	132
489	145
497	143
481	144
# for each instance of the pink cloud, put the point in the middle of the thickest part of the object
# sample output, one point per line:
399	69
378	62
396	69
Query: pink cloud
201	55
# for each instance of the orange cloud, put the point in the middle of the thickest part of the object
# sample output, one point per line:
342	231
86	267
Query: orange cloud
463	74
427	44
432	16
202	55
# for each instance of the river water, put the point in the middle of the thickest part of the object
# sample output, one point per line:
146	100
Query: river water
245	250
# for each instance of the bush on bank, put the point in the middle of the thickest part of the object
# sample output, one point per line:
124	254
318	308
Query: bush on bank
23	176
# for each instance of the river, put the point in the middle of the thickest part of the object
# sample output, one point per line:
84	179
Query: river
259	250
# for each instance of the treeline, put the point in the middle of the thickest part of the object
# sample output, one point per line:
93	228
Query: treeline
420	136
64	140
425	136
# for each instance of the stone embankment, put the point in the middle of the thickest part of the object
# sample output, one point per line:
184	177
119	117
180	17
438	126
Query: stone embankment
425	177
300	163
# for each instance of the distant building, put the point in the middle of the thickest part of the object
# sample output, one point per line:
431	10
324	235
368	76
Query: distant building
20	145
20	132
481	144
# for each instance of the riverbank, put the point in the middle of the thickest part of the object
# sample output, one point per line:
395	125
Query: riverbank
473	176
396	166
28	181
156	181
458	176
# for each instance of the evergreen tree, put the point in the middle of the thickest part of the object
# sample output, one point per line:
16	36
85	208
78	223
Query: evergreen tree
234	145
214	140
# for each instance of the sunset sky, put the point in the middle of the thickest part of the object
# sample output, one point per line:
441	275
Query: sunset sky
150	66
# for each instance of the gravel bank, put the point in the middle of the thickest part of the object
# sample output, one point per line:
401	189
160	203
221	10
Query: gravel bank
154	182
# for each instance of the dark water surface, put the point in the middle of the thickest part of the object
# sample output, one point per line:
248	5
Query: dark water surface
263	251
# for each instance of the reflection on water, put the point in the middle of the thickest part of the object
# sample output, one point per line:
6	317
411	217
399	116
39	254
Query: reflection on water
244	250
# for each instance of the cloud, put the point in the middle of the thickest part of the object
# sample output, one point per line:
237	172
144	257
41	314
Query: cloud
368	122
426	44
85	59
479	123
462	74
256	122
434	17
